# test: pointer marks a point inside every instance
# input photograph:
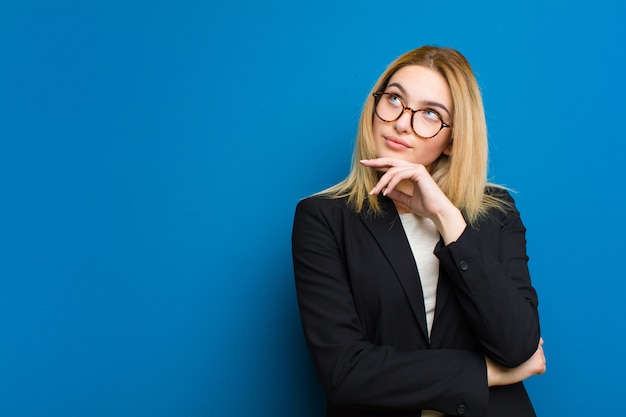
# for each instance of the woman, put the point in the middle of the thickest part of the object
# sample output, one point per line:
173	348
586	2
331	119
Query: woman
412	274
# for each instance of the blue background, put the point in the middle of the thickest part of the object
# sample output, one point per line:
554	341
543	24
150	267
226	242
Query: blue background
152	153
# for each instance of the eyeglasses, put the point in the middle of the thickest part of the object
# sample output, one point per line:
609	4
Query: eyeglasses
427	123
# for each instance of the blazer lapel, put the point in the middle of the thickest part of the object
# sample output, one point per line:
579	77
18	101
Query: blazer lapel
388	232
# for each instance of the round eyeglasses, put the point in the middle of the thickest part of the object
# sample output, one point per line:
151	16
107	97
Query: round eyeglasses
427	123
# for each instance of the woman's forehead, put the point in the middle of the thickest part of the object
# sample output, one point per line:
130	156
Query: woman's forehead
421	83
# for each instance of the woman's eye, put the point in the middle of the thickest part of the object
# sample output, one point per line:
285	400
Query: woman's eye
395	100
431	115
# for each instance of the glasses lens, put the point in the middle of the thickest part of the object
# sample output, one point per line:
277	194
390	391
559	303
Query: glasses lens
389	107
427	123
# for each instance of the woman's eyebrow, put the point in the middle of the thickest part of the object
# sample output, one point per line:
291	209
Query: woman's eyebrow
437	104
398	86
424	102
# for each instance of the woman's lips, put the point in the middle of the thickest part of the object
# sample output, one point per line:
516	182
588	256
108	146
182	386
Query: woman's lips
396	143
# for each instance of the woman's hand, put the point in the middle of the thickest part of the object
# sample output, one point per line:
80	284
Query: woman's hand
499	375
412	186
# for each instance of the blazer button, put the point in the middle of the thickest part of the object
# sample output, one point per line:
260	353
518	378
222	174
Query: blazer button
461	409
463	265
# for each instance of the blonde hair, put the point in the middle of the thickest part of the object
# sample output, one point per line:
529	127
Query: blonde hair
462	175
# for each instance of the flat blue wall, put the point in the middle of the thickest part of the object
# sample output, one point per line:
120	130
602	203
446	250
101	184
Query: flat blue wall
152	153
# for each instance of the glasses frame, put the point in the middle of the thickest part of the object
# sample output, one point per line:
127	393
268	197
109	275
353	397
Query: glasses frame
377	95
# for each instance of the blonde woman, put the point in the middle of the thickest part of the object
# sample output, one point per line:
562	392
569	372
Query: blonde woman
411	274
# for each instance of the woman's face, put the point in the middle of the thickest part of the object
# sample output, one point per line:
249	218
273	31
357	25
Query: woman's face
419	88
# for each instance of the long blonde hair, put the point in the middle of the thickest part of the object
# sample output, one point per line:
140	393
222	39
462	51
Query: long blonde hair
462	175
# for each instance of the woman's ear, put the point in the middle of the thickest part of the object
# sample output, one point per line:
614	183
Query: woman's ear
448	150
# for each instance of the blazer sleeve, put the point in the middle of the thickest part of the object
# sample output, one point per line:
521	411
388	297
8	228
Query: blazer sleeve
488	268
353	371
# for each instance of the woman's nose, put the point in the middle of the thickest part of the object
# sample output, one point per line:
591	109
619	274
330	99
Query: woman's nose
405	122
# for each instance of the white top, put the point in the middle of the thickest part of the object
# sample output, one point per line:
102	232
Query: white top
423	236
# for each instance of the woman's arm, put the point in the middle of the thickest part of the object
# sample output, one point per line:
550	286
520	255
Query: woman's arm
498	375
489	272
487	267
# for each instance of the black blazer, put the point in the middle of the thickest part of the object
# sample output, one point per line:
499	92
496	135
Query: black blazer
362	311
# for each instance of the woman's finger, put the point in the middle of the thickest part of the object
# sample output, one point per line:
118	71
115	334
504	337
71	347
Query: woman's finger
384	163
399	196
396	176
390	179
